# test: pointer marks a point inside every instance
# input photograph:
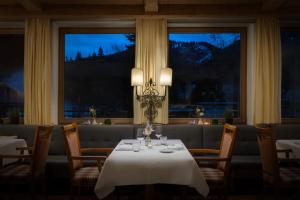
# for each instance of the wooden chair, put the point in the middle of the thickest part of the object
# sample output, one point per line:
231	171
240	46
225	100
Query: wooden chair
275	175
33	172
82	176
218	177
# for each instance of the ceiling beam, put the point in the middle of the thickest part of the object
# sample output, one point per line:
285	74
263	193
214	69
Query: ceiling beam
31	5
94	2
271	5
94	12
151	5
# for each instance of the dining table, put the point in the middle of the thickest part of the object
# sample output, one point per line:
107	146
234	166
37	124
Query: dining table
9	147
134	163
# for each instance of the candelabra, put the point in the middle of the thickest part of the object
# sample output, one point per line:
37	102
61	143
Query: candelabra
150	98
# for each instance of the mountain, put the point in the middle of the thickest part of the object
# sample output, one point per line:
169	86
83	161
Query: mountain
9	94
186	58
203	72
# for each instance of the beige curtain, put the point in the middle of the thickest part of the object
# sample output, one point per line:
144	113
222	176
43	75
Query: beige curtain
37	71
151	56
267	71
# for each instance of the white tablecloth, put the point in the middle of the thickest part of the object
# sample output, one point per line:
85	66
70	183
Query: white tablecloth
294	145
8	147
150	166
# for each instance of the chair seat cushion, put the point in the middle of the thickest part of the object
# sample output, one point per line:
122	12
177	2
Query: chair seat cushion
57	167
212	174
86	176
16	171
290	174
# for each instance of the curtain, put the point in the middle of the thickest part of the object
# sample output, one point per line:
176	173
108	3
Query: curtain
37	71
151	57
267	71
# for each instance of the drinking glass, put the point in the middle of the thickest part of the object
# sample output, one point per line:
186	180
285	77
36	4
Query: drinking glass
140	135
164	140
136	146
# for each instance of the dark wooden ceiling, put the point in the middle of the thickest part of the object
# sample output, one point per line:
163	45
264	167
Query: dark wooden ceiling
96	8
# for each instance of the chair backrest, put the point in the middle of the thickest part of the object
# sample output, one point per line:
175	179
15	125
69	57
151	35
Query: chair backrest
268	153
226	147
40	150
72	145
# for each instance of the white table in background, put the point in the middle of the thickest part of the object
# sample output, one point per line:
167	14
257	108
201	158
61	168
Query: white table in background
150	166
8	147
294	145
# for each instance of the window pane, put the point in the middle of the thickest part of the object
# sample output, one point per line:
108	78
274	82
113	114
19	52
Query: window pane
11	74
290	94
97	71
206	70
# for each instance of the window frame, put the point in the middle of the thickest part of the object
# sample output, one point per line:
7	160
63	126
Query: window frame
285	120
61	57
243	67
15	31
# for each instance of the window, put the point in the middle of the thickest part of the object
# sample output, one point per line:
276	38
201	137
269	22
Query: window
208	72
95	69
11	72
290	93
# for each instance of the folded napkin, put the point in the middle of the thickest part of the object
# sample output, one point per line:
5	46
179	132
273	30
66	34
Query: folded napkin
124	147
175	147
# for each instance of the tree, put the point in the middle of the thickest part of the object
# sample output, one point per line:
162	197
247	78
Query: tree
130	37
78	56
100	52
94	56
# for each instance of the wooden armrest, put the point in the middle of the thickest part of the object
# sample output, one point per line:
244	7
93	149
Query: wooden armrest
89	158
216	159
100	150
205	151
15	156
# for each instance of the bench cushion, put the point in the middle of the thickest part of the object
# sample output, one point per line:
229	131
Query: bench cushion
190	135
287	131
104	135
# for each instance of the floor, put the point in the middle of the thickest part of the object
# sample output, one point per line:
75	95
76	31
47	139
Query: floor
244	190
159	194
65	197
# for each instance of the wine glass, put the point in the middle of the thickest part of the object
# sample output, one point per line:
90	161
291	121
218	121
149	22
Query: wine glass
140	135
158	135
158	132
